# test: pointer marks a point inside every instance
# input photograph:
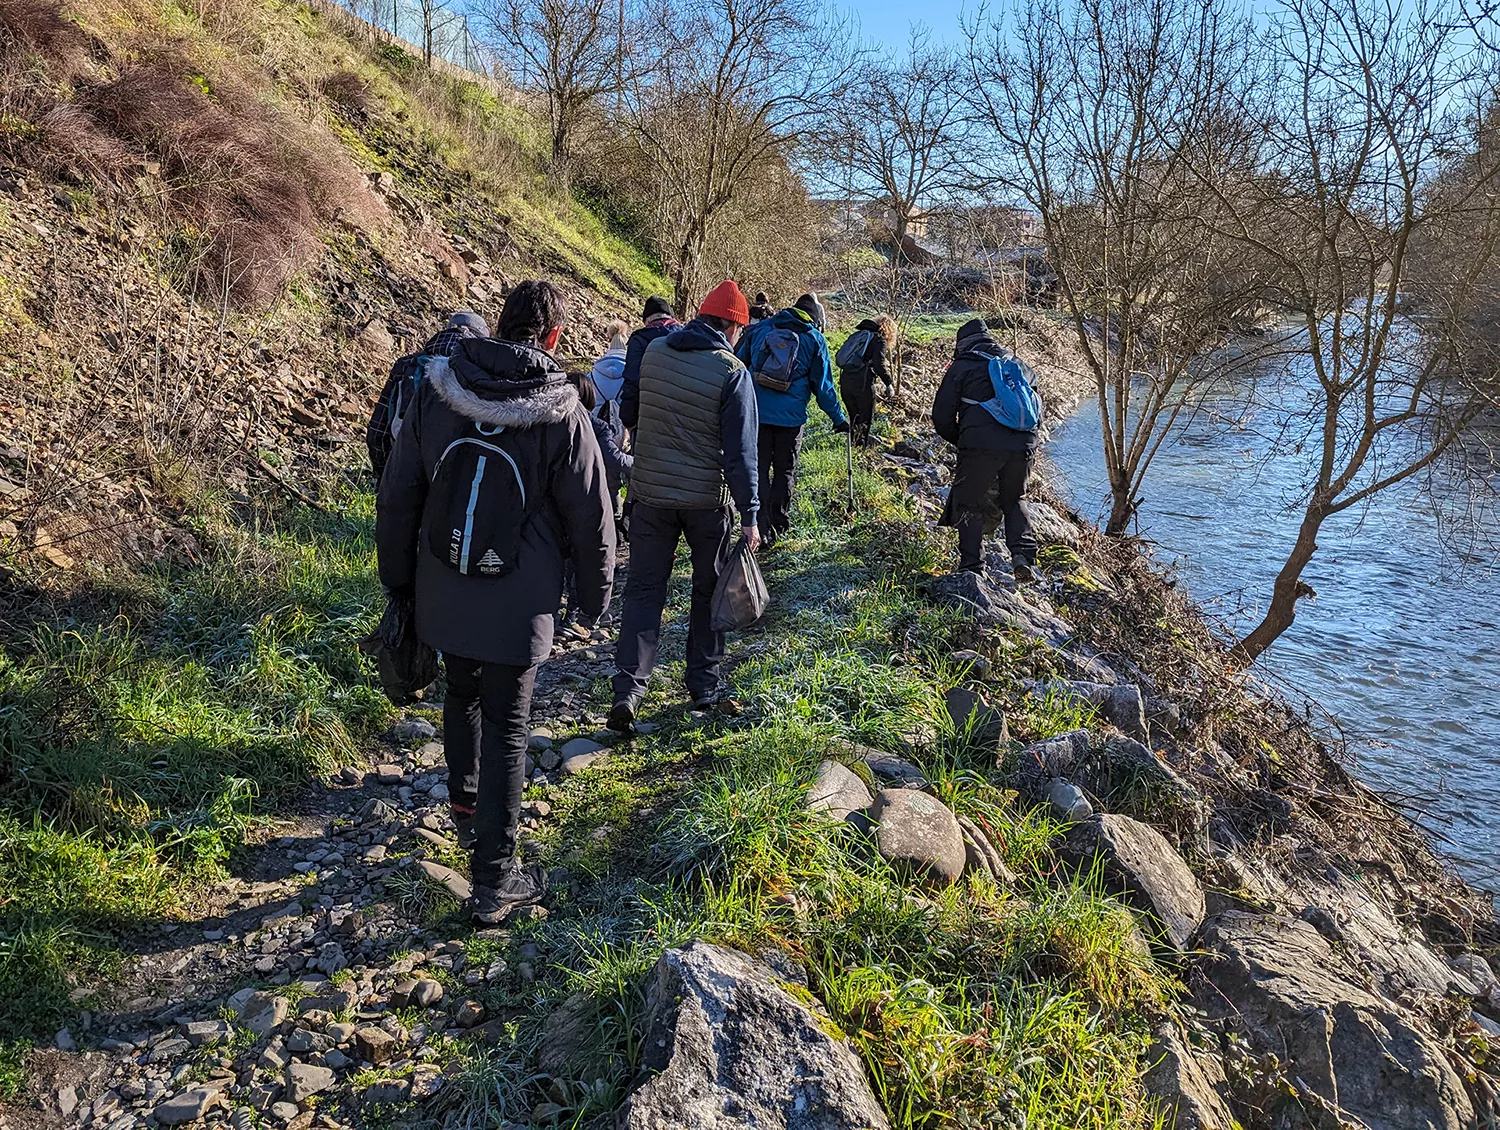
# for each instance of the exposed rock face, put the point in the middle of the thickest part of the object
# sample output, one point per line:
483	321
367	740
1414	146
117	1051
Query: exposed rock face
1139	861
995	607
838	791
734	1049
919	835
1049	525
1279	982
1191	1088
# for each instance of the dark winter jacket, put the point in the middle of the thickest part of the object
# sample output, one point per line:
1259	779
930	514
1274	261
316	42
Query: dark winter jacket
505	619
956	414
695	442
635	349
814	373
609	431
876	363
396	397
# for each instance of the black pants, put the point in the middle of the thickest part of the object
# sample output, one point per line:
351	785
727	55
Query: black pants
987	490
858	390
486	720
654	533
779	448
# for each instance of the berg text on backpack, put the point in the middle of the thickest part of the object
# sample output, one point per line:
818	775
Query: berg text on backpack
1015	404
775	359
476	507
851	354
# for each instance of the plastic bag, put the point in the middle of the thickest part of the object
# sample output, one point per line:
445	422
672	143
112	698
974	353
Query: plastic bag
407	666
740	597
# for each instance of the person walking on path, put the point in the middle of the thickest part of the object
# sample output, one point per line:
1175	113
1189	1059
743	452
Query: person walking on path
694	453
857	379
405	377
787	356
994	461
659	322
761	308
494	482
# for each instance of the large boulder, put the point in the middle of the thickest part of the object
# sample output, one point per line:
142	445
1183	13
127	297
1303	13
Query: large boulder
1190	1087
1050	526
733	1049
1140	863
993	607
919	836
1278	983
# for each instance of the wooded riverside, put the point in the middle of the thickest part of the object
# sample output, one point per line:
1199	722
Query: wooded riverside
371	757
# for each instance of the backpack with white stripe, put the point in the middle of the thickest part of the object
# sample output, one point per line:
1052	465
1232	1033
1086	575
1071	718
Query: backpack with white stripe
476	506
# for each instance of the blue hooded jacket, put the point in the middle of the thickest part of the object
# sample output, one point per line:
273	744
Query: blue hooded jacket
814	372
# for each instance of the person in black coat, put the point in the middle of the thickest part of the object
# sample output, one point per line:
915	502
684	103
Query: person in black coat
510	399
994	461
857	382
659	322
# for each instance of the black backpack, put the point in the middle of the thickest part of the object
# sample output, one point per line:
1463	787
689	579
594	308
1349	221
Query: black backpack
476	506
396	397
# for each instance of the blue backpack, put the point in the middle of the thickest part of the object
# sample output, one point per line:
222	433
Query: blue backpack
775	360
1015	404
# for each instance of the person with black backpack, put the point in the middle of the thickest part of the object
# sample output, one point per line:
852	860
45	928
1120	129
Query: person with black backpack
406	376
659	322
988	408
864	358
495	479
787	356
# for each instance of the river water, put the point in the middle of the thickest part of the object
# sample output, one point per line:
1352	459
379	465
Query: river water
1400	646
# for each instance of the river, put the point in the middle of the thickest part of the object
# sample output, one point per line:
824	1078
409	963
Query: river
1401	644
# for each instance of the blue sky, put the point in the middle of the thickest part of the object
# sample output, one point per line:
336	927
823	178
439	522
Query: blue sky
888	21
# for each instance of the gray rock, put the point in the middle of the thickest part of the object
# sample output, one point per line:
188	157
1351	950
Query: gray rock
168	1050
425	993
263	1013
456	885
565	1031
918	835
994	607
576	746
1190	1087
336	1059
980	854
1139	862
1476	969
284	1111
1278	983
889	767
303	1080
188	1106
1067	800
387	1091
838	791
549	759
539	740
972	715
1034	766
1050	526
596	754
414	730
200	1032
733	1048
978	666
64	1041
388	774
376	1045
330	959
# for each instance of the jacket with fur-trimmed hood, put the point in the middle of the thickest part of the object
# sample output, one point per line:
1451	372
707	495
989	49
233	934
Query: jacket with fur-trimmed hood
545	429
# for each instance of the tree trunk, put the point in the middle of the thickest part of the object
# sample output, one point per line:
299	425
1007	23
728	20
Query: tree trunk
685	278
1121	511
1287	589
898	253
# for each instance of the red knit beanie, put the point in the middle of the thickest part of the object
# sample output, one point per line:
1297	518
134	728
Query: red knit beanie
726	301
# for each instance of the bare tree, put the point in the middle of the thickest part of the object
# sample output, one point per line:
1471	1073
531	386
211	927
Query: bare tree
739	84
574	51
896	136
1123	126
1374	105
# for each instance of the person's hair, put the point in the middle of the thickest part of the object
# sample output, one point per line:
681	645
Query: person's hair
588	396
619	334
531	311
885	325
723	325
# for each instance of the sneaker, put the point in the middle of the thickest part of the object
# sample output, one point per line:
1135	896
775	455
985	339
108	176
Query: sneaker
622	716
463	828
1026	572
518	886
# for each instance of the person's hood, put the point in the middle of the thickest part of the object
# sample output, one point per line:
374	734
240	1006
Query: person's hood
504	384
446	340
868	324
794	319
662	320
974	337
608	374
468	320
697	335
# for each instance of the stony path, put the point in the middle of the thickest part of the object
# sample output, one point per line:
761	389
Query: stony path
319	964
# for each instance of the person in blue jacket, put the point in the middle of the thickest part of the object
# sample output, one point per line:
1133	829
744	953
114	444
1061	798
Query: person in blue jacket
785	380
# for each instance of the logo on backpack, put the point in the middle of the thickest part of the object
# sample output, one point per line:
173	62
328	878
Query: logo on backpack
775	359
1015	404
851	354
476	507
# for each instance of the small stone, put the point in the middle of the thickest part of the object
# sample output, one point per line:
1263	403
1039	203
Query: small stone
263	1013
341	1033
1067	801
303	1080
284	1111
376	1045
64	1041
168	1050
456	884
336	1059
388	774
201	1032
67	1099
538	741
375	853
189	1106
549	759
414	730
918	834
580	762
425	993
387	1091
272	1060
838	791
469	1014
978	666
580	745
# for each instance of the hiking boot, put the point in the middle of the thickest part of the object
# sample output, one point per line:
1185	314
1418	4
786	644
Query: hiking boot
463	828
518	886
718	699
622	716
1026	571
574	629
